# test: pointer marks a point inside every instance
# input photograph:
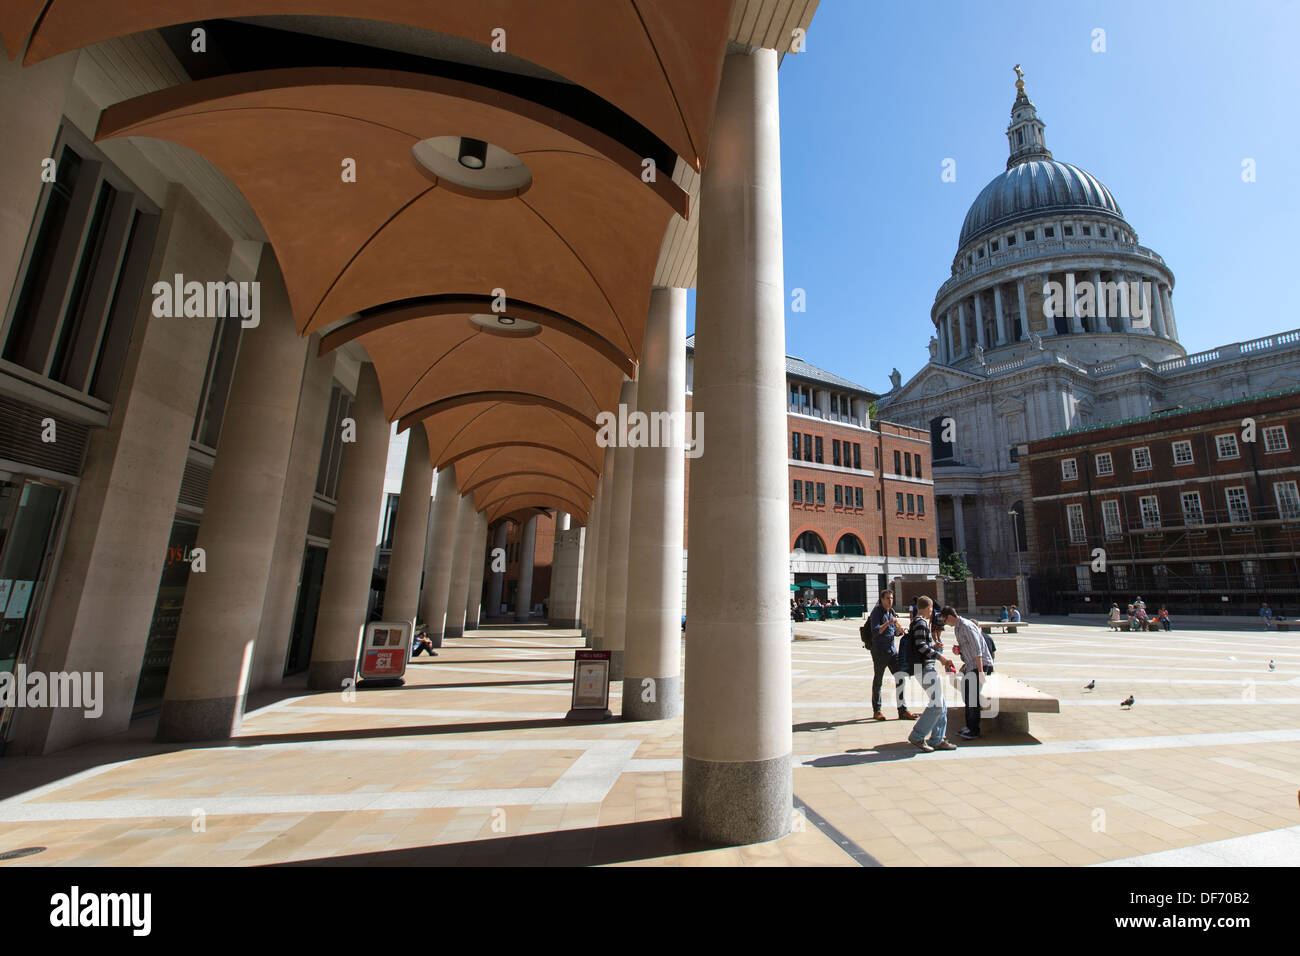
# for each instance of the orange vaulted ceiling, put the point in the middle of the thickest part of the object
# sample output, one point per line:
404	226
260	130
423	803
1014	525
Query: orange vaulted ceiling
581	240
520	508
493	422
659	61
474	471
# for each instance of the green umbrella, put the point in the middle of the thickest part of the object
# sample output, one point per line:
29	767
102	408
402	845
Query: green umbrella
794	587
814	584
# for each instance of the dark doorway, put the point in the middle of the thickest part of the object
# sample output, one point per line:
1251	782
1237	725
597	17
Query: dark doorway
304	618
851	588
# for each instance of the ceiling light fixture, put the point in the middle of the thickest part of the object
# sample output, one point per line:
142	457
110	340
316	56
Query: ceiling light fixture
505	320
473	153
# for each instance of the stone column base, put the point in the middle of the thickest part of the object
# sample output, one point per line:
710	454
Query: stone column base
212	718
567	622
330	675
453	632
667	701
739	802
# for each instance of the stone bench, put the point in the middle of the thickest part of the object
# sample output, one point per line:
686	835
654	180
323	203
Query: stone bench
1008	627
1006	701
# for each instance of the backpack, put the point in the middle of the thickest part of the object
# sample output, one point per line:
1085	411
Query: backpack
864	632
905	648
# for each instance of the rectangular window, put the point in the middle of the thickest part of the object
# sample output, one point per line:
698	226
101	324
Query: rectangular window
923	549
920	504
1227	446
1069	469
1119	576
835	452
331	454
857	497
798	492
907	464
1250	574
880	500
1204	573
1104	464
1288	501
390	523
1161	574
794	445
918	467
1238	506
902	547
857	456
1083	577
898	502
898	463
1110	519
821	493
807	447
839	497
911	547
1074	518
880	543
1183	453
876	452
809	493
1142	459
820	457
1150	506
1275	439
1049	232
911	504
1192	513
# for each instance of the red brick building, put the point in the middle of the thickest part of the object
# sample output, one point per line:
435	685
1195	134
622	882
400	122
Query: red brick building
1195	508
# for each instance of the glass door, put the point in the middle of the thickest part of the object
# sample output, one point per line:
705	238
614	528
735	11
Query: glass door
29	515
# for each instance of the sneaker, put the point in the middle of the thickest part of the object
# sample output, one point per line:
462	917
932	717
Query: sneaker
967	735
878	716
908	715
944	745
920	745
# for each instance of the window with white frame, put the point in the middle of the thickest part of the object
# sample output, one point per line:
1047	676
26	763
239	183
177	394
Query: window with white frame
1204	573
1150	506
1226	446
1275	438
1074	517
1238	505
1142	459
1183	453
1083	577
1069	469
1110	519
1161	574
1105	466
1119	576
1192	513
1288	501
1250	574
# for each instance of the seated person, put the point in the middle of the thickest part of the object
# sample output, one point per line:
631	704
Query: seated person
422	642
1015	614
1163	618
1005	615
1115	617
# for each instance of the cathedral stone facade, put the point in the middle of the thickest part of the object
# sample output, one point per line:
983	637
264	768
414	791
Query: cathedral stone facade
1054	317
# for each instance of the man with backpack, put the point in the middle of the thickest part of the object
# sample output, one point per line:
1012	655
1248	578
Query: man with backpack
878	637
920	653
976	661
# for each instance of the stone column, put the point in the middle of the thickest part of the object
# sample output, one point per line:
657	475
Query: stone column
1099	312
410	536
345	590
566	588
652	660
290	539
979	322
1152	304
1001	320
959	524
497	583
620	516
736	775
1024	312
212	661
438	557
461	556
945	347
602	569
105	587
591	545
477	569
1127	301
1072	304
1167	299
961	327
524	593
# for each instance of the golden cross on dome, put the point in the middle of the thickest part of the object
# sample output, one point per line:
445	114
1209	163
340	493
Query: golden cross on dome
1020	78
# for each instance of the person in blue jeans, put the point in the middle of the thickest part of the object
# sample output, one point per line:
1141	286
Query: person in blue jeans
925	658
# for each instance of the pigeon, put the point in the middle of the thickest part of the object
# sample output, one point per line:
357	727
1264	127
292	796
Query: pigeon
1272	666
1090	685
1127	703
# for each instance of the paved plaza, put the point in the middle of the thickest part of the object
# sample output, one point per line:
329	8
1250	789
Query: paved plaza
472	763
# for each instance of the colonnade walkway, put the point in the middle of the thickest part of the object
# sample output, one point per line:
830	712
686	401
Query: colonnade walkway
472	762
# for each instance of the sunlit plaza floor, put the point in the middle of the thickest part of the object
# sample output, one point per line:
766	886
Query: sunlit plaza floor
472	763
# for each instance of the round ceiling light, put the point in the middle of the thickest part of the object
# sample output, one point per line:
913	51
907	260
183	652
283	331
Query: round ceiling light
504	324
472	167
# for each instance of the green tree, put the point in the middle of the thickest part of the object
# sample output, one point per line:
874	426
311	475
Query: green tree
953	566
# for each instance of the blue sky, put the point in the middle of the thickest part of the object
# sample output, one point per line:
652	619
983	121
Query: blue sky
1164	117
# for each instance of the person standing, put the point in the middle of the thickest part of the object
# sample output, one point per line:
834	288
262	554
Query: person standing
882	628
975	663
923	656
